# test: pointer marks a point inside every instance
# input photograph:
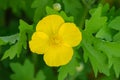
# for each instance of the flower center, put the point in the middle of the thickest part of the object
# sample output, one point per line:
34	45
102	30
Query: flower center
55	40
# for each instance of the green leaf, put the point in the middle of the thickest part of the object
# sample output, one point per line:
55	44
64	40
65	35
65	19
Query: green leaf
40	6
40	76
12	51
104	33
24	35
106	52
116	37
74	8
111	77
102	54
61	13
116	65
9	39
97	58
66	18
115	23
96	24
25	71
105	9
2	42
51	11
111	13
68	69
110	48
96	21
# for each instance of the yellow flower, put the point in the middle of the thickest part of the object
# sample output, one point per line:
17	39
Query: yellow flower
54	38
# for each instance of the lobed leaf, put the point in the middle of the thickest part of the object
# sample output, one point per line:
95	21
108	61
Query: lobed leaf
13	51
115	24
97	58
61	13
25	32
104	33
68	69
102	54
25	71
9	39
95	22
21	71
40	75
40	6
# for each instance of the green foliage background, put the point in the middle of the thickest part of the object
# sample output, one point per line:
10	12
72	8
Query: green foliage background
96	58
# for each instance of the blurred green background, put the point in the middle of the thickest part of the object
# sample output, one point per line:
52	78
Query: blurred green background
11	11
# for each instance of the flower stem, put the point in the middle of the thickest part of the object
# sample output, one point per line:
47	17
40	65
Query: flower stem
87	6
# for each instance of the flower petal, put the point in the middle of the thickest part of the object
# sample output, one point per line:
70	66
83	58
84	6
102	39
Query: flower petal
50	24
59	55
39	42
70	34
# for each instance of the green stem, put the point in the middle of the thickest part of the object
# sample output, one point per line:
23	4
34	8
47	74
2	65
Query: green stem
82	22
87	6
35	61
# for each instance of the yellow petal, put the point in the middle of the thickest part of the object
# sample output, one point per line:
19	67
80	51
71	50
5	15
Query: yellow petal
39	42
59	55
50	24
70	34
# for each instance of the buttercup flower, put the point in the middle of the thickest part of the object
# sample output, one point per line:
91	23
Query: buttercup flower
55	38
